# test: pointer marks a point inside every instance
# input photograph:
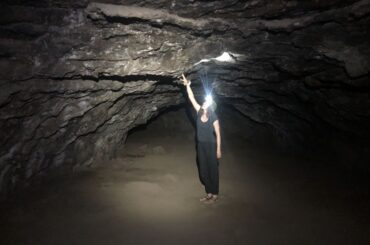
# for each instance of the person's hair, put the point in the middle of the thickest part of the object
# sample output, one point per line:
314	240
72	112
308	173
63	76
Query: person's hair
213	107
201	111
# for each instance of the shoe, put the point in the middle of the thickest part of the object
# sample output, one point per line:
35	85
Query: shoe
203	199
211	200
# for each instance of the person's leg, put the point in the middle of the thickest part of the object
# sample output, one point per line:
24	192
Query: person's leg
213	169
203	166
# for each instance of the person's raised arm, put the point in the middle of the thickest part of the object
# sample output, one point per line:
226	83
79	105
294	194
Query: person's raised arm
190	93
216	125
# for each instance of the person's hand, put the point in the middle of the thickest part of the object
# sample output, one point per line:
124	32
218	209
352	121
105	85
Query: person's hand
219	154
186	82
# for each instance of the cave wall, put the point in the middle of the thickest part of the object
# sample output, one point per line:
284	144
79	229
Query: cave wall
76	76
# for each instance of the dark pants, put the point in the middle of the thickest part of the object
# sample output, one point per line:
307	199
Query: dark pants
208	166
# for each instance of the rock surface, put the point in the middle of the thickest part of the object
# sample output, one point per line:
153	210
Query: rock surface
75	77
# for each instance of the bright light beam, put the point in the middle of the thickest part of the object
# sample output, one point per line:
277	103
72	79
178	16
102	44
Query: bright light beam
209	99
206	82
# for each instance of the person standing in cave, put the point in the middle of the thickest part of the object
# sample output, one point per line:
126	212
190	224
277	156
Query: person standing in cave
208	143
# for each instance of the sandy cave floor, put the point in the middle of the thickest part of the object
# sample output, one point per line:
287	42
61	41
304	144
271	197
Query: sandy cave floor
151	195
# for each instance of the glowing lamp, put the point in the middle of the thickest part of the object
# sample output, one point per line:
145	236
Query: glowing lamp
209	99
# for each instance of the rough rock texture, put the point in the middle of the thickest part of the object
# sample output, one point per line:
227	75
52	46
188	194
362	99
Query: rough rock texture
75	76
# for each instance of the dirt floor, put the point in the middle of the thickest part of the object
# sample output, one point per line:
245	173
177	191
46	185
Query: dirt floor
150	195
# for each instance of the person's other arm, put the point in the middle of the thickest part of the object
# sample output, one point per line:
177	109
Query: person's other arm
190	93
216	125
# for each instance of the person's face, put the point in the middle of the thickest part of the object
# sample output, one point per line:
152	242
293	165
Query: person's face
205	105
207	102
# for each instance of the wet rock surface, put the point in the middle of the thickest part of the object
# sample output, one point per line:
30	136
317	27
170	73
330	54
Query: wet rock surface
75	77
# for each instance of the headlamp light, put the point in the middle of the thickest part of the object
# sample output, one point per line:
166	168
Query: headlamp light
209	99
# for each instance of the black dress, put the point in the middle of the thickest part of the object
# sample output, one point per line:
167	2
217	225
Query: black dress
207	154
